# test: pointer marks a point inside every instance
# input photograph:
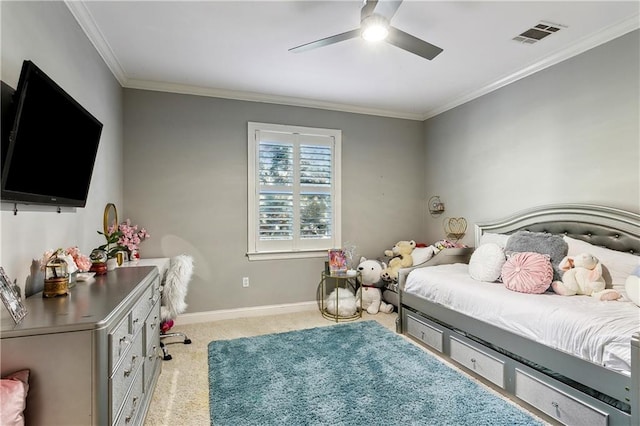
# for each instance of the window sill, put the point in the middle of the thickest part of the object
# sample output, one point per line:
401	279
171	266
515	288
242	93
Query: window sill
283	255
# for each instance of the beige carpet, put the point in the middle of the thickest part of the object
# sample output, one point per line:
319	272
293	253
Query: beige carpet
181	396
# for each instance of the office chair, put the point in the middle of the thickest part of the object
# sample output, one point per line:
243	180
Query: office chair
172	301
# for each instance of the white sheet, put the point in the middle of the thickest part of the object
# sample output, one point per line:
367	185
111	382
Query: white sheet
593	330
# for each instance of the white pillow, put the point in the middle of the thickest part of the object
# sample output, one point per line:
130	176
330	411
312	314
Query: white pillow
422	254
632	289
499	239
486	262
619	264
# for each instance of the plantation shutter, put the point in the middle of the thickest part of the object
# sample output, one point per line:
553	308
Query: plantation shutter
294	191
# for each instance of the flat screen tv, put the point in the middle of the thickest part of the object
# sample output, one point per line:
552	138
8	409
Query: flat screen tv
52	145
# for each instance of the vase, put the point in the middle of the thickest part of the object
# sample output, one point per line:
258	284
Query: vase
134	255
112	264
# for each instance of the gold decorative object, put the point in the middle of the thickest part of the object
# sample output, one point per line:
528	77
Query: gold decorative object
56	276
455	227
436	207
110	217
98	261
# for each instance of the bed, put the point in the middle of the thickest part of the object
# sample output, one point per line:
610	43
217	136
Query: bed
574	358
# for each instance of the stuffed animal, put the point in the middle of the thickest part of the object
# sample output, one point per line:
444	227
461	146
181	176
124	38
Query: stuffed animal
402	258
341	302
370	291
371	271
583	275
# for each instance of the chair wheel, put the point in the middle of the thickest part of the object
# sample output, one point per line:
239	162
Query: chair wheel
167	357
187	341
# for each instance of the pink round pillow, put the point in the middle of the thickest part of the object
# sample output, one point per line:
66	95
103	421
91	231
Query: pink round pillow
527	272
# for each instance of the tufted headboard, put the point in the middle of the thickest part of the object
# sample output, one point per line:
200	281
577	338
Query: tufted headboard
601	226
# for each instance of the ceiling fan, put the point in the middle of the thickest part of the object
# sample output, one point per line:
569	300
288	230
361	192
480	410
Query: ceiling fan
374	25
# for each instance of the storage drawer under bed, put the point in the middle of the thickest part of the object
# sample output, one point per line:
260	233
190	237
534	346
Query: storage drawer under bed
487	366
555	403
426	333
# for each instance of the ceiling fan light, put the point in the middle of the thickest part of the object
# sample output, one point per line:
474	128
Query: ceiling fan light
375	28
375	33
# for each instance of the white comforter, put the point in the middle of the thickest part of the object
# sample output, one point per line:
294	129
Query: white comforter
593	330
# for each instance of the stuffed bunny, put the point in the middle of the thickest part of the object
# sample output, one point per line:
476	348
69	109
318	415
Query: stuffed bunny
583	275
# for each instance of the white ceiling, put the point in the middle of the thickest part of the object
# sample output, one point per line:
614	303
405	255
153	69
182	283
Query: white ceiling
239	49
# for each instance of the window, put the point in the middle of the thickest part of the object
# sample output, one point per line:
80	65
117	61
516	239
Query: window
294	191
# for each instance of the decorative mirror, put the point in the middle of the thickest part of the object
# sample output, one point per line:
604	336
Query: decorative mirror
110	217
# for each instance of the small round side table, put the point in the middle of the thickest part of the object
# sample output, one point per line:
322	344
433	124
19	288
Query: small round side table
330	282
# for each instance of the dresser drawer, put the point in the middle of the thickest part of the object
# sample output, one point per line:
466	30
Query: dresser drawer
141	310
121	380
487	366
557	404
152	344
131	406
424	332
152	326
120	340
152	361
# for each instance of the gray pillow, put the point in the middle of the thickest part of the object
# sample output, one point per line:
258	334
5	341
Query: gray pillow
540	242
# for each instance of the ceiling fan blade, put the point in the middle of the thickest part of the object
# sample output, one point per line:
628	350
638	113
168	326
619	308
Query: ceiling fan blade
412	44
326	41
386	8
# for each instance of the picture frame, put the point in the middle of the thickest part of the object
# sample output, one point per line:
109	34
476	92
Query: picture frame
337	261
11	298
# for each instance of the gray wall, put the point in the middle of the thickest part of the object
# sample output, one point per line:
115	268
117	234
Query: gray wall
565	134
185	162
47	34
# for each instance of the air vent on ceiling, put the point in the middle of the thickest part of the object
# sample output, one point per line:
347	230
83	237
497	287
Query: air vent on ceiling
538	32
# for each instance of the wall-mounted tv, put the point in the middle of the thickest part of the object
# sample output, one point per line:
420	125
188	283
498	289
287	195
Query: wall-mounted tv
52	145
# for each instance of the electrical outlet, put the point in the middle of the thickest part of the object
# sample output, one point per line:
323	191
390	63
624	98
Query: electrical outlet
245	281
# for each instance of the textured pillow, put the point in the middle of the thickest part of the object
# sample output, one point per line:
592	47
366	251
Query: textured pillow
527	272
617	265
486	262
13	396
422	254
499	239
632	289
540	242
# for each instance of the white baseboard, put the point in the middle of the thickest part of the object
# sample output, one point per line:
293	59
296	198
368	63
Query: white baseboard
256	311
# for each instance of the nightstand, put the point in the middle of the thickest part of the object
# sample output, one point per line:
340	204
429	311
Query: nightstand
330	282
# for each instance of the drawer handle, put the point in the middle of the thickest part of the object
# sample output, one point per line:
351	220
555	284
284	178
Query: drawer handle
555	404
153	353
127	372
135	321
422	335
123	343
133	410
473	361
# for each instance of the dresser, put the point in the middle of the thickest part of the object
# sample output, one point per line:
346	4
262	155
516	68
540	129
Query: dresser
94	354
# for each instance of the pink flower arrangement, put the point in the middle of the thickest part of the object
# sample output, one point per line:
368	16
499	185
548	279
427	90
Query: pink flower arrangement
82	262
129	235
73	257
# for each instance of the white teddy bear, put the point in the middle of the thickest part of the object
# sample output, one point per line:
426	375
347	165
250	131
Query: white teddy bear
370	290
583	275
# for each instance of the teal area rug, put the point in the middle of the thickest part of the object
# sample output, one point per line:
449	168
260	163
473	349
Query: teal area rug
345	374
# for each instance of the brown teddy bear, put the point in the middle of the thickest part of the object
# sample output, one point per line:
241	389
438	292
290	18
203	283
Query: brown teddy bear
402	258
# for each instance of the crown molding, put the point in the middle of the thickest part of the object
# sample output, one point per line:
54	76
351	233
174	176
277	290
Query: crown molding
88	25
587	43
84	18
